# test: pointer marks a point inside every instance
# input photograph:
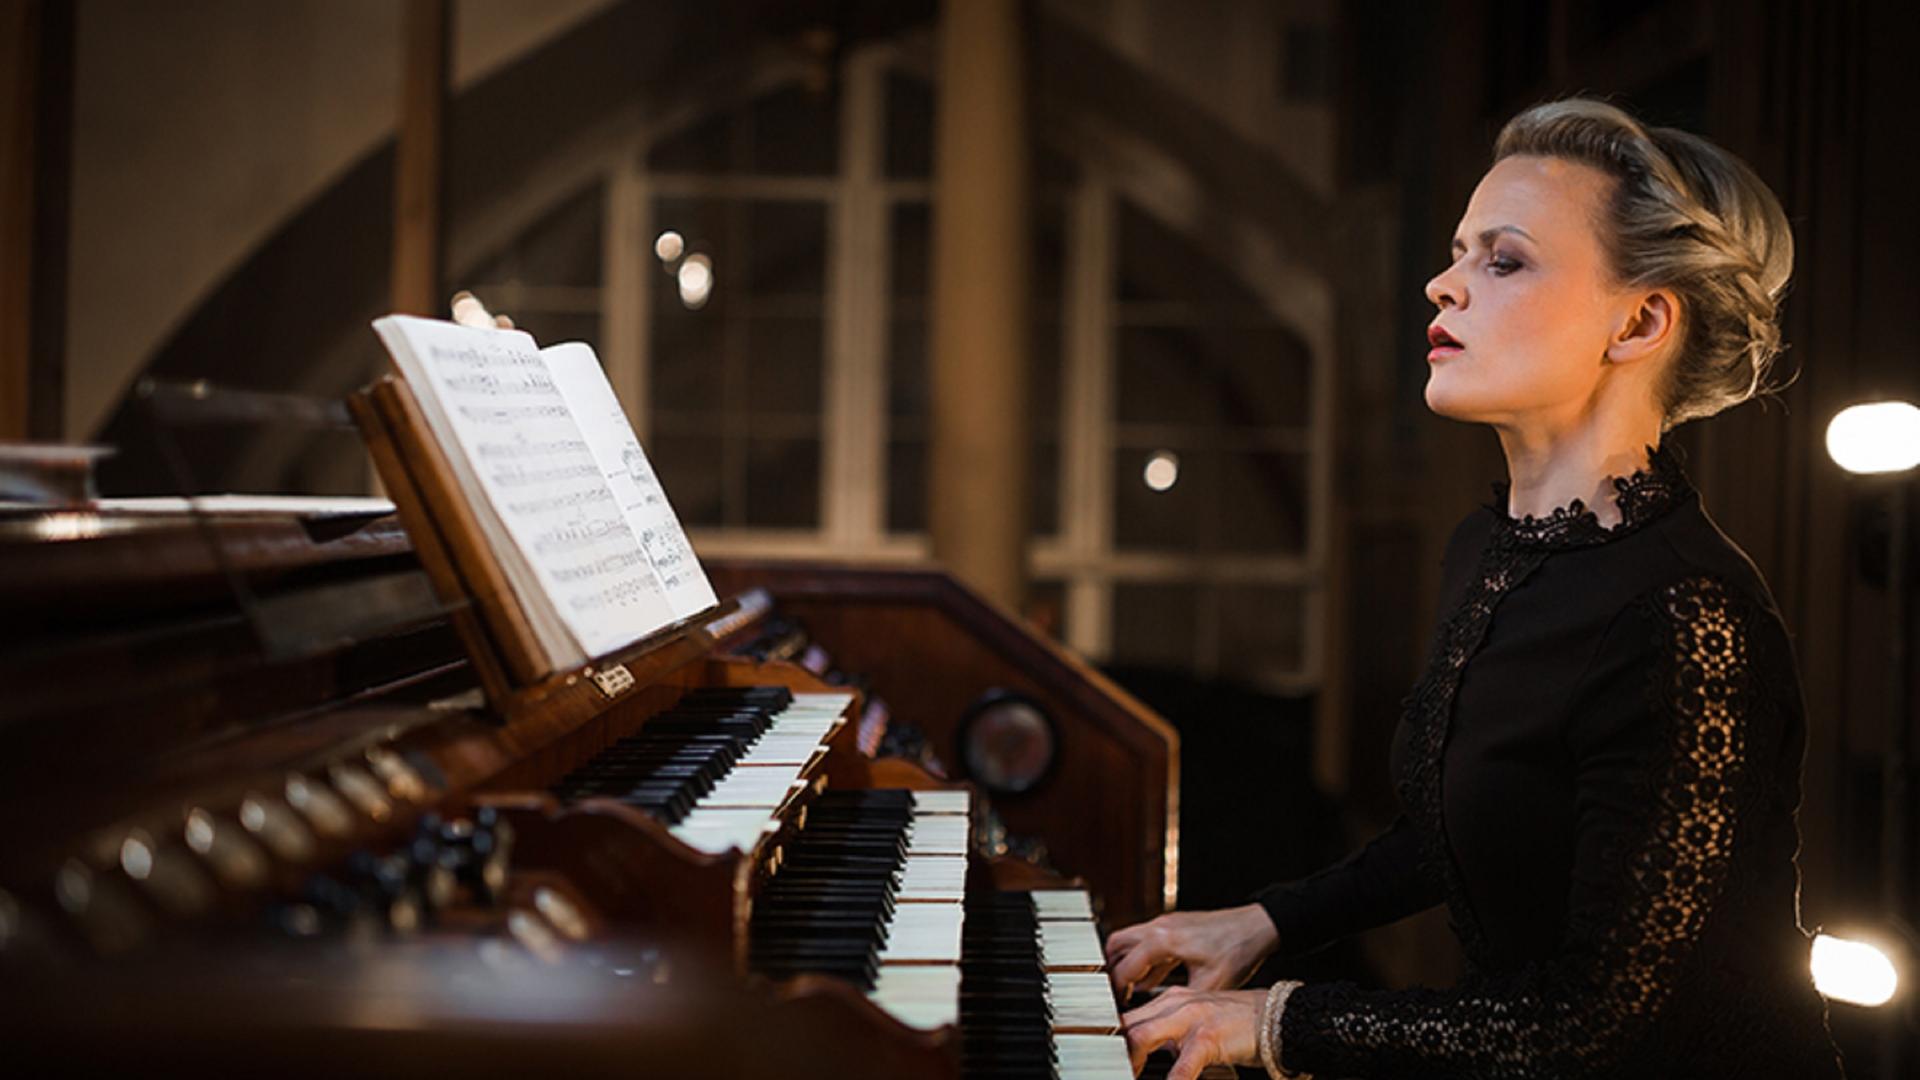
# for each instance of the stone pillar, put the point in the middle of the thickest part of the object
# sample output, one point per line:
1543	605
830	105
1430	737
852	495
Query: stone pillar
419	152
980	453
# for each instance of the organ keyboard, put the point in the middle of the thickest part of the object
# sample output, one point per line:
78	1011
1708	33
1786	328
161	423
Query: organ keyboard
718	765
333	857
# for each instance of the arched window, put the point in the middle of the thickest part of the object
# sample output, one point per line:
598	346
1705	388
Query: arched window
782	387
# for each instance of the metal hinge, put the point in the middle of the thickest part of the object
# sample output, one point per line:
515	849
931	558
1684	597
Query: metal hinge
613	681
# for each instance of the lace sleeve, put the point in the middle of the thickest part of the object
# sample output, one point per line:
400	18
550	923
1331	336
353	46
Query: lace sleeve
1664	790
1378	884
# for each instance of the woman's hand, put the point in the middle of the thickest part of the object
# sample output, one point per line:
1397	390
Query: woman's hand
1219	948
1220	1027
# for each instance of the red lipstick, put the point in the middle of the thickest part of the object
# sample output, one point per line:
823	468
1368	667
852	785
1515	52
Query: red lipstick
1445	345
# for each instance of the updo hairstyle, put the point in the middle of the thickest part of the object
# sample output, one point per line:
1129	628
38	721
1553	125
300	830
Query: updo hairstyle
1686	216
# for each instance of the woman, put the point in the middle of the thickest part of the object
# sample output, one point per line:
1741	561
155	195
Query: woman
1600	766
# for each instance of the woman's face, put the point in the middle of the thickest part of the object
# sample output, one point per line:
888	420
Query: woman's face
1528	306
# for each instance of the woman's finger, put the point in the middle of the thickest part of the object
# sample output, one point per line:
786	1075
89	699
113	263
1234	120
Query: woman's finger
1196	1053
1144	1038
1163	1005
1157	974
1211	976
1134	965
1116	957
504	322
1122	940
1145	1014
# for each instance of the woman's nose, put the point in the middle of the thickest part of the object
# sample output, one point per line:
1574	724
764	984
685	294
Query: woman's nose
1442	291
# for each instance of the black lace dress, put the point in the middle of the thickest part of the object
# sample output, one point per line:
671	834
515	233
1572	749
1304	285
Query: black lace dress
1599	771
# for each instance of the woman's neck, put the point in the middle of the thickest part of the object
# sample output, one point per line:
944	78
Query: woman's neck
1548	470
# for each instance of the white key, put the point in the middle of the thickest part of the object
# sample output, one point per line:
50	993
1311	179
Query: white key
779	750
1063	905
1092	1057
933	877
739	809
939	834
923	996
833	700
718	829
943	802
764	776
787	741
1083	1002
924	934
1070	946
763	788
919	981
792	723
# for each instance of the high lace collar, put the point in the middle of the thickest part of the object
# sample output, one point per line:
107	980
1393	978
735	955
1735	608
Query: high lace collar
1643	497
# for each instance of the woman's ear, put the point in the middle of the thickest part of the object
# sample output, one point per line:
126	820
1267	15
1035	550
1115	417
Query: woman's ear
1650	326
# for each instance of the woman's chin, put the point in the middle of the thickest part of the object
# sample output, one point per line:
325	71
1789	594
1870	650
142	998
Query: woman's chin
1446	401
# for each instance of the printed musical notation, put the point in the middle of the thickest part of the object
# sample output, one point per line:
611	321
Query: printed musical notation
624	592
511	414
523	450
673	559
612	564
512	474
485	382
584	534
572	499
538	470
630	476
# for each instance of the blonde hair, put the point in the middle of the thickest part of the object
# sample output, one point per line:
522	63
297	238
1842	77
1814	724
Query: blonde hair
1687	216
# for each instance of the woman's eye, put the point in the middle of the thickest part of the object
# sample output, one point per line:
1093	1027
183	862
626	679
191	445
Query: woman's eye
1502	265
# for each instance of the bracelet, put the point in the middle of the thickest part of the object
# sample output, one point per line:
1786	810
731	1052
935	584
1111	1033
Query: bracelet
1269	1036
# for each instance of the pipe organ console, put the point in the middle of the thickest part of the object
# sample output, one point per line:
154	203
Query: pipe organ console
261	816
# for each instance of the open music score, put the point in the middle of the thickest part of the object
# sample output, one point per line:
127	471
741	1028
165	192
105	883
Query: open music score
630	476
566	503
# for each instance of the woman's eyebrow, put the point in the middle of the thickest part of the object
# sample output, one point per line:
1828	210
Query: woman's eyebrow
1486	236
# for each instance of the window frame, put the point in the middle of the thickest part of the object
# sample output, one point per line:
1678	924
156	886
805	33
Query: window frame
860	199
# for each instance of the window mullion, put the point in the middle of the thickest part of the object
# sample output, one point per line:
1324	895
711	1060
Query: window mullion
626	302
855	422
1087	415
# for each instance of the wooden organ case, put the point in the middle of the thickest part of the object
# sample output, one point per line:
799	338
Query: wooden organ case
269	807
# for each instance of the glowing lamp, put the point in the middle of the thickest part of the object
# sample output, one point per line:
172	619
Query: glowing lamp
1162	471
1877	437
1853	971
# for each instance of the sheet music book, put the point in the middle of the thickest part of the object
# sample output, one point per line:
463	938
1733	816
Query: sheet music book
569	505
